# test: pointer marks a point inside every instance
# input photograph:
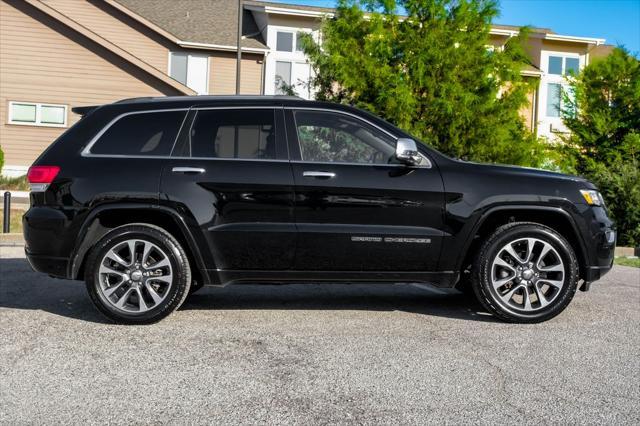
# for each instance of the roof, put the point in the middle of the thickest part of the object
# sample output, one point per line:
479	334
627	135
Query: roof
210	22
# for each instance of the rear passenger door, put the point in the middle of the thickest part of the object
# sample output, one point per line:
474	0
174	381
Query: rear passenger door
230	177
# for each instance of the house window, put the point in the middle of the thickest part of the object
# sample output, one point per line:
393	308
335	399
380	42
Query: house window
190	70
554	95
284	41
37	114
283	76
561	65
298	43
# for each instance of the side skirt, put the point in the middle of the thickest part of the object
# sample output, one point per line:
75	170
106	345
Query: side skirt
442	279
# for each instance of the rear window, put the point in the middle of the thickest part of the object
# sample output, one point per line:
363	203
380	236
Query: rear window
148	134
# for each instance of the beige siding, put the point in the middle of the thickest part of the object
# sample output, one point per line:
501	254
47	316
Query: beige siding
222	74
117	28
42	60
528	111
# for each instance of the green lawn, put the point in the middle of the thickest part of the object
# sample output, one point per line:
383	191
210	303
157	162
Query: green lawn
15	222
625	261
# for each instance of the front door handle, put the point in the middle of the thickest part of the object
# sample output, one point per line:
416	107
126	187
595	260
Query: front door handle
319	175
188	170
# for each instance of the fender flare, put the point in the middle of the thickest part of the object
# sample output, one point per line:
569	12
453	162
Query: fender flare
558	210
83	244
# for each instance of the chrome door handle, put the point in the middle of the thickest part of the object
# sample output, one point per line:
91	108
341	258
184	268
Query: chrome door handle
188	170
321	175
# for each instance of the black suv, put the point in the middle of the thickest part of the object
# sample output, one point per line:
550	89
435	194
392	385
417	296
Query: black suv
150	199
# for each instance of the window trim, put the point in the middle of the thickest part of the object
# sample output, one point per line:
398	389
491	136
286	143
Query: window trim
38	119
86	152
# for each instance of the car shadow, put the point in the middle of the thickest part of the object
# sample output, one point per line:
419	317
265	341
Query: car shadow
21	288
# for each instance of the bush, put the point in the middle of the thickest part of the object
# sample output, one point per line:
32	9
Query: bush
619	184
1	159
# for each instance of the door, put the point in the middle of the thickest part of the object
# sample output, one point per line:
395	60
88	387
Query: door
230	177
357	209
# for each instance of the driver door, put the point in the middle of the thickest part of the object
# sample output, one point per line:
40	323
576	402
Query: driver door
356	208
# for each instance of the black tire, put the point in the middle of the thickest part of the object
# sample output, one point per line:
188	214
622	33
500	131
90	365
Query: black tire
482	273
177	290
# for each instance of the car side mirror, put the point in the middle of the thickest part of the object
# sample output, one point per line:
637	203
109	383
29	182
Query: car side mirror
407	152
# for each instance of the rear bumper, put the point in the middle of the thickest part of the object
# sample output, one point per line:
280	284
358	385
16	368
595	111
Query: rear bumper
53	266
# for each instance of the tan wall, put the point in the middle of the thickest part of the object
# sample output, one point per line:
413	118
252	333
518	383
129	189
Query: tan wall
118	28
42	60
222	74
527	112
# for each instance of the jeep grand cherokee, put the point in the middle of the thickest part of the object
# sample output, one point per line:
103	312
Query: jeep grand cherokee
150	199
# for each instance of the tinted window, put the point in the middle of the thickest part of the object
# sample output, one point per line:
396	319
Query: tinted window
150	133
241	133
332	137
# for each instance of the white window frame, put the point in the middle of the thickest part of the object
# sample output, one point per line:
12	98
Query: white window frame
549	126
294	57
38	122
190	54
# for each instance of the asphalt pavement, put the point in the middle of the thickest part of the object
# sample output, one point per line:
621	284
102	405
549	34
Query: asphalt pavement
315	354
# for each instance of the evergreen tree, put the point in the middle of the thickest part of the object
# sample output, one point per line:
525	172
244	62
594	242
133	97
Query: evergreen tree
430	72
604	144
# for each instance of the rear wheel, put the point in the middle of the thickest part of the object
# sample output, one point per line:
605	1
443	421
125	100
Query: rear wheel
138	274
525	272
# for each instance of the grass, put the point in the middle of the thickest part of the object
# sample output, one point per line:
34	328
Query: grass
627	261
14	183
15	221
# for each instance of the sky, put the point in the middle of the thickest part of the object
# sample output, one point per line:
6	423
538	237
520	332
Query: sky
617	21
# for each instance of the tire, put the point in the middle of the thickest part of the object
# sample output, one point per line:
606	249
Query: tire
141	288
546	269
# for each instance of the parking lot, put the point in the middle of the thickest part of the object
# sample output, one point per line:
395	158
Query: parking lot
308	354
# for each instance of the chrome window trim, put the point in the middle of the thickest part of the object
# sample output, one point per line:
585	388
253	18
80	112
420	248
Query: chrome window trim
86	152
428	164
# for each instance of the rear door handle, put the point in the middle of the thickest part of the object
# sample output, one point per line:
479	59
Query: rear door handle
319	175
188	170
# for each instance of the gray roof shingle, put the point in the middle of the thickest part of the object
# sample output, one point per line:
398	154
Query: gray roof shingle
199	21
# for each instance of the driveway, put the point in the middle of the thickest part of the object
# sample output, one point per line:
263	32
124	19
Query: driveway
316	354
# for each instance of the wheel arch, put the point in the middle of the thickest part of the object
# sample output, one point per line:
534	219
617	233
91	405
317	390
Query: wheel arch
555	218
105	218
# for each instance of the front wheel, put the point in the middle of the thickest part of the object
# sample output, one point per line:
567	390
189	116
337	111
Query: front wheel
526	273
137	274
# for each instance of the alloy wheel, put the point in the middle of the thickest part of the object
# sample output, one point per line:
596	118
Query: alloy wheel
135	276
527	274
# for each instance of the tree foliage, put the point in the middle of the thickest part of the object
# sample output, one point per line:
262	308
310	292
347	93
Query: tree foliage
430	73
604	144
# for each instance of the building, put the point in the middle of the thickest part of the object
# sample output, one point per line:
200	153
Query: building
58	54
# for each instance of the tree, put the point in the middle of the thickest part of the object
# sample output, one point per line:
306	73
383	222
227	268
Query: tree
604	144
430	73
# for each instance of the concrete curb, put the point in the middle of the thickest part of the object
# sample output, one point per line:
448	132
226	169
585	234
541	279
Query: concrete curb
627	251
11	240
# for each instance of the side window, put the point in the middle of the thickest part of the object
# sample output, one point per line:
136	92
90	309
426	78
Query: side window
147	134
334	137
234	133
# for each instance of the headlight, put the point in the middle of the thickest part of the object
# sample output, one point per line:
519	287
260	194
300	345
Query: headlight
593	198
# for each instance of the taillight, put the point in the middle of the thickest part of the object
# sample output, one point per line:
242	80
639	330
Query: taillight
40	177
